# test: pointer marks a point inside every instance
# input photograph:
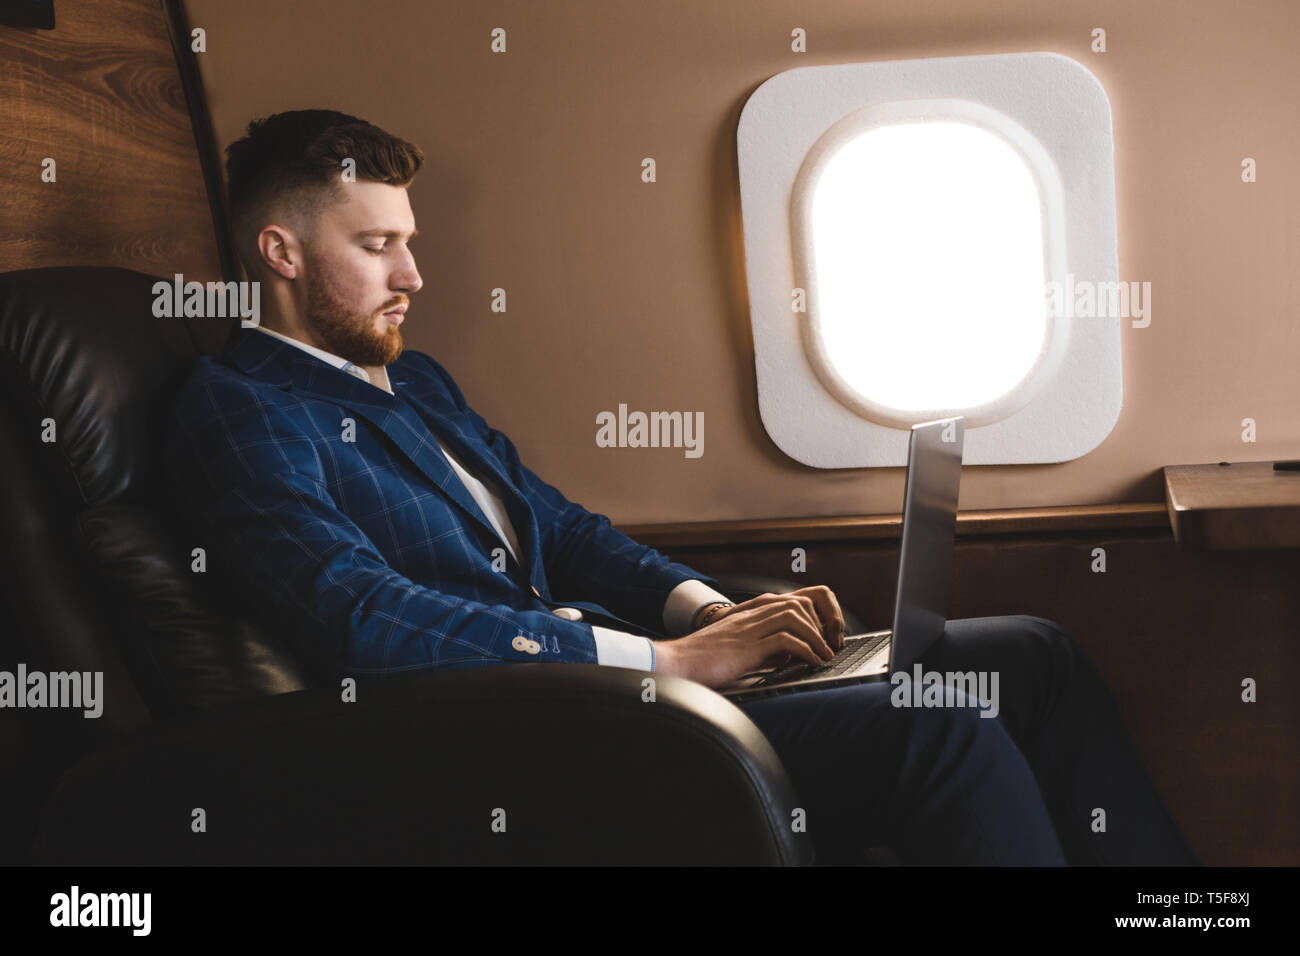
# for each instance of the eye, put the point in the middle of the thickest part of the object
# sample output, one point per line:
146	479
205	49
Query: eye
373	251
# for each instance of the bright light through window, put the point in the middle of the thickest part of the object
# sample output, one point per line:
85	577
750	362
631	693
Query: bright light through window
927	247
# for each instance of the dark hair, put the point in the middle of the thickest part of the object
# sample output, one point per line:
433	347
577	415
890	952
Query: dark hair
290	163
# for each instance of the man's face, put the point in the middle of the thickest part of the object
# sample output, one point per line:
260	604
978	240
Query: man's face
358	267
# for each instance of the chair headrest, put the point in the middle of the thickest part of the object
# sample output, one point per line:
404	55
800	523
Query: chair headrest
101	568
84	350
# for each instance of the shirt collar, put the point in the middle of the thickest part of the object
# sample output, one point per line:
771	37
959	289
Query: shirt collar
336	360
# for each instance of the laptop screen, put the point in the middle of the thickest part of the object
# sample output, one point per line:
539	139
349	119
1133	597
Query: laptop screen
929	527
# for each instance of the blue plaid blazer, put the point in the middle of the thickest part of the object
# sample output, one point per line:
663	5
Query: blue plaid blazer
373	548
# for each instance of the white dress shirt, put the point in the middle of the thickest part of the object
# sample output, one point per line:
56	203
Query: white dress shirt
615	648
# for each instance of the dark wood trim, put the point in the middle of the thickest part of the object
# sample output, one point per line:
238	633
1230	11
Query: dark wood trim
1136	515
178	29
1234	505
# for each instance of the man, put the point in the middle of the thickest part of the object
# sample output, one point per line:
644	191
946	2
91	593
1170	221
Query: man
351	485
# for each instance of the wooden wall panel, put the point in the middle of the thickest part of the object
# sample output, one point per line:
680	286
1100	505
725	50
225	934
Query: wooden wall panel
1174	633
101	94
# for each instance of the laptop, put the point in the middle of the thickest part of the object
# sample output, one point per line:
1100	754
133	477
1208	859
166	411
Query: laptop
924	570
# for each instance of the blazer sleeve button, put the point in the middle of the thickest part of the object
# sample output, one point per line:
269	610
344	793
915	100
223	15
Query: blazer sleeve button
520	643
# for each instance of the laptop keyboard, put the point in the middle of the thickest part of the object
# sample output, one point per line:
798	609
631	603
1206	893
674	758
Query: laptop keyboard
849	657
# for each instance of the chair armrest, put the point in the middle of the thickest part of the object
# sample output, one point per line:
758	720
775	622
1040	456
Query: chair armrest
571	761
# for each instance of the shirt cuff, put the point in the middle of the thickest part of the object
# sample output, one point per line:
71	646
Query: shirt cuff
684	602
621	649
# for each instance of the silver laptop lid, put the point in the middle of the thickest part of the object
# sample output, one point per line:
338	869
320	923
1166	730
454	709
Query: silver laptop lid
929	527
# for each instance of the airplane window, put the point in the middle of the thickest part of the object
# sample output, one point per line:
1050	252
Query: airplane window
927	266
928	238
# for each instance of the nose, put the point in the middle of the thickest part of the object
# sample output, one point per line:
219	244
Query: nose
407	278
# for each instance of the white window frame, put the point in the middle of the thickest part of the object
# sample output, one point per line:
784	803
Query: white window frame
1054	113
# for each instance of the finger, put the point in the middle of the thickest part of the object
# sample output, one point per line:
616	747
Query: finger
790	617
808	612
754	603
828	609
793	599
808	609
783	642
766	608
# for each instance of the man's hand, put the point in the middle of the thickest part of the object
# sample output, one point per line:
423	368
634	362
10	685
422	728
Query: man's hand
764	631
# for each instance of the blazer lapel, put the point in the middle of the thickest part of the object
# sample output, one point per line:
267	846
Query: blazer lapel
278	363
479	459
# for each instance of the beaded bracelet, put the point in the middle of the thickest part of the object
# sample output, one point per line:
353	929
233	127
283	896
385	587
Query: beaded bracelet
713	609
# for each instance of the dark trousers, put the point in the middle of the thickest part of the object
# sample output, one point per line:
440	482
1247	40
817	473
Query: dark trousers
943	785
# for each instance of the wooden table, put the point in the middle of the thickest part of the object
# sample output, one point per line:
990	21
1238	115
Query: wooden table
1243	504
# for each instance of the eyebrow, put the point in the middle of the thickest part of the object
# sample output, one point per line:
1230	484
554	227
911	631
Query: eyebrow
386	233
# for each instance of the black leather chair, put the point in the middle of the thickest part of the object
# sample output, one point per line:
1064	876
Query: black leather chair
207	715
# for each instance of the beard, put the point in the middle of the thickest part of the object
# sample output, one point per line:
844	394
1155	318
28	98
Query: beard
347	332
